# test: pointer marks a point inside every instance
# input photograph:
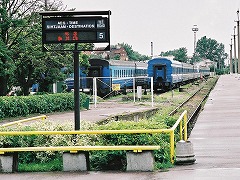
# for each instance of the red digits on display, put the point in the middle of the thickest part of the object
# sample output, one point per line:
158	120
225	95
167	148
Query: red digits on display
59	38
75	35
67	36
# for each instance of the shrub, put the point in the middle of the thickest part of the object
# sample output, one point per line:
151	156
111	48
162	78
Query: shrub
100	160
14	106
116	160
42	140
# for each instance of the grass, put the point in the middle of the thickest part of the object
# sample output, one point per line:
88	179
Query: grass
54	165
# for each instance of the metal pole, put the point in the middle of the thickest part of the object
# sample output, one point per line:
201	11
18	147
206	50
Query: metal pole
194	42
95	91
235	52
194	29
76	87
151	49
238	34
46	5
231	64
134	94
152	89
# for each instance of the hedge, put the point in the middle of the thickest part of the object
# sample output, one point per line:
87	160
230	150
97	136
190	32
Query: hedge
15	106
100	160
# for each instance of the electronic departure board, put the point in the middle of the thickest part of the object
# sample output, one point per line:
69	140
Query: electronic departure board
75	30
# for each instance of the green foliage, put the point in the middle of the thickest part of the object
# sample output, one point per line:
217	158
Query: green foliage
100	160
53	165
117	159
14	106
22	62
116	57
210	49
133	55
179	54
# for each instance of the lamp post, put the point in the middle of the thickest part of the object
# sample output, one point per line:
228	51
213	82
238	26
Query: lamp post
151	49
230	64
238	34
194	29
235	52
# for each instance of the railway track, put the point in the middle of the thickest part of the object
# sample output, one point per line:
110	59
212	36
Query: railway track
194	103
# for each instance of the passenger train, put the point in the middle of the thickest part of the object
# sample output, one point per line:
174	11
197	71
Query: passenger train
168	73
111	74
119	75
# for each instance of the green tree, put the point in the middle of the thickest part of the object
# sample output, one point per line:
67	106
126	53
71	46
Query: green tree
22	61
133	55
16	22
179	54
208	48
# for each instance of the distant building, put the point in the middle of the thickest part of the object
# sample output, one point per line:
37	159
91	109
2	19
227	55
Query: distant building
117	52
206	62
120	52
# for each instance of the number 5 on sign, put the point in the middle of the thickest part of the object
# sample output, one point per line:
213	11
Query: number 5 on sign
101	35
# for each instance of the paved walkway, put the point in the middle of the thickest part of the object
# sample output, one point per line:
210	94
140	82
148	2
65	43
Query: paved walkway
215	138
102	111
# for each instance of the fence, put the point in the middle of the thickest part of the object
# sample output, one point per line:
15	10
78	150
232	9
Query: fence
111	84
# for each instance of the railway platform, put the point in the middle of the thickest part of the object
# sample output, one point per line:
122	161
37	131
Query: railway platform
215	138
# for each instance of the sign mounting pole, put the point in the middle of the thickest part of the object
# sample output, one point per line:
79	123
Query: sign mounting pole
76	87
60	27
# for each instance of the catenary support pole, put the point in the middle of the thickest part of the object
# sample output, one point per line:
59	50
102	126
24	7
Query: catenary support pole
231	61
235	51
238	34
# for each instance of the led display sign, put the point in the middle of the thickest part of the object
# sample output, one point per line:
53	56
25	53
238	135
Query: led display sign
75	30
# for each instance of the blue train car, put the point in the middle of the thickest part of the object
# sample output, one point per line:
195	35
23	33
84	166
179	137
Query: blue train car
204	71
82	82
113	72
168	73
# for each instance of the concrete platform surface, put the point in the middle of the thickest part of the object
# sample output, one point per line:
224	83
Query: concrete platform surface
102	111
215	138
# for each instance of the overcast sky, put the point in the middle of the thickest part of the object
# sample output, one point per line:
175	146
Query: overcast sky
166	23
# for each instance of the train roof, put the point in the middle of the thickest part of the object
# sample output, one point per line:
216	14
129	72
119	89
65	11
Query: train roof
166	59
170	59
120	62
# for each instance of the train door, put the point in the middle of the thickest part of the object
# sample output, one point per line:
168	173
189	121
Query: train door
93	71
159	75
